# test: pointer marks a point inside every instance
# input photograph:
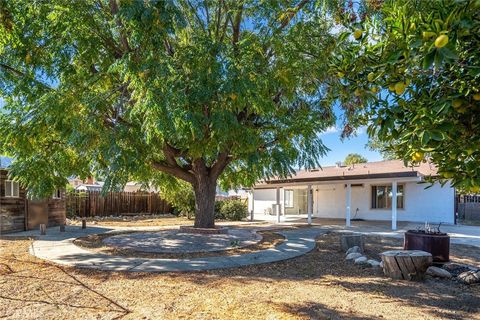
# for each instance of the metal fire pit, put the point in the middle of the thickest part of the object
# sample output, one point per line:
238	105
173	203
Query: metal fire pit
437	244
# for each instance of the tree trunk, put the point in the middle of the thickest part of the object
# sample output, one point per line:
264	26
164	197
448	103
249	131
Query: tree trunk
205	190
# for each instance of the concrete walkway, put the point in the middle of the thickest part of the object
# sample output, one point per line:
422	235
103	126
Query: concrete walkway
59	248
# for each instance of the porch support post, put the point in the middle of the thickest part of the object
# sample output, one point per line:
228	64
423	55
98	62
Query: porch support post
348	201
252	201
283	202
309	204
277	202
394	205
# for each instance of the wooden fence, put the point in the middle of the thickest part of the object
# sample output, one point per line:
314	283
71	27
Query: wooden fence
468	207
93	203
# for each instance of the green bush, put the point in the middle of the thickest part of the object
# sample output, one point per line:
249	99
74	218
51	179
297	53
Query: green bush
233	210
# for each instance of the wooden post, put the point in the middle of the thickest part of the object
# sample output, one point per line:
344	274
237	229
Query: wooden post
84	223
43	229
406	264
62	226
348	241
348	204
394	205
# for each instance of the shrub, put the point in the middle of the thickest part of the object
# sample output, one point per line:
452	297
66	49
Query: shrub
233	210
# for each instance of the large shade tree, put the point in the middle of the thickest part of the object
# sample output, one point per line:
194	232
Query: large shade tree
162	91
411	71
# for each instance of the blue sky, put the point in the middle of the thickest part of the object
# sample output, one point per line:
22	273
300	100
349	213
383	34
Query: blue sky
339	149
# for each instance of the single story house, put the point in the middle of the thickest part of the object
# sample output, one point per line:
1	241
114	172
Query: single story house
384	190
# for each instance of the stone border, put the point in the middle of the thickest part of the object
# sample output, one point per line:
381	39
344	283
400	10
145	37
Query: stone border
191	229
60	249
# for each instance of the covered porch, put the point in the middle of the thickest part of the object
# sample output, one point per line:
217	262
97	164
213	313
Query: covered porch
288	202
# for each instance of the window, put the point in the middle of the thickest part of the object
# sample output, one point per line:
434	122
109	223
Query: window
382	197
12	189
57	194
288	198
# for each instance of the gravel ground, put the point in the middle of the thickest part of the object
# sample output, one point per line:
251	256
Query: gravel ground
319	285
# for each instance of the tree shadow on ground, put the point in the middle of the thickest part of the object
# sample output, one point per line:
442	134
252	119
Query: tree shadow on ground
317	310
45	284
325	266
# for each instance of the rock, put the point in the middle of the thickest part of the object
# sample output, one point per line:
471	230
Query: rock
353	249
456	268
469	277
348	241
361	260
353	256
438	272
374	263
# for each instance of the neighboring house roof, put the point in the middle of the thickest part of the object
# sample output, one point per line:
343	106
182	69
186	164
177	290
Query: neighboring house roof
89	187
369	170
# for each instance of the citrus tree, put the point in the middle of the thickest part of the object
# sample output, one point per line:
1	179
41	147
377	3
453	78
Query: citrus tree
354	158
411	71
160	91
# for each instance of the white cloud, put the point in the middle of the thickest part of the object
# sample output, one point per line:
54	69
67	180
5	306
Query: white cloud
331	129
361	130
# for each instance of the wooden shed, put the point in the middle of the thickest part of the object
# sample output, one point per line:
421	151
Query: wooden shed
18	213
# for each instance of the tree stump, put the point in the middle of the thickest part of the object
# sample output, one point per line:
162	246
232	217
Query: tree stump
351	240
406	264
84	223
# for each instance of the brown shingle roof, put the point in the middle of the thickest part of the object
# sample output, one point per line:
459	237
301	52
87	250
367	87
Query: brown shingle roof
369	170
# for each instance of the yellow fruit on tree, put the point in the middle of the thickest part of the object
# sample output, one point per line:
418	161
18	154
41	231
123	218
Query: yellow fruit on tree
357	34
441	41
470	151
340	74
233	96
399	88
428	34
457	103
374	89
357	92
371	76
476	97
28	58
447	174
418	156
475	189
391	87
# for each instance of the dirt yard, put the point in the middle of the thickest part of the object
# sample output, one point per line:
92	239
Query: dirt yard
319	285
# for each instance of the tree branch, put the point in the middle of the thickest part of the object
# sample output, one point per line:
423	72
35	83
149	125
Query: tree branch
292	13
217	168
19	73
123	38
177	172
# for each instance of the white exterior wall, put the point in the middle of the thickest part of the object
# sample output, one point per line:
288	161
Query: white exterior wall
263	199
435	204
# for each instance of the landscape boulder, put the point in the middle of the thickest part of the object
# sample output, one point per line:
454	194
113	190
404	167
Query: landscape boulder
353	250
361	260
457	268
469	277
353	256
438	272
374	263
